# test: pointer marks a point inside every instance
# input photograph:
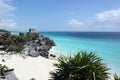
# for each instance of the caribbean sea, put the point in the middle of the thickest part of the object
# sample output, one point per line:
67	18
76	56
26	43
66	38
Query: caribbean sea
103	44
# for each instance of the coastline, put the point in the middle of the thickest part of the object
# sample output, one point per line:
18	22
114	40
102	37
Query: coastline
31	67
39	67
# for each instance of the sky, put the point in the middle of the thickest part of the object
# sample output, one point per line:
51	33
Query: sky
60	15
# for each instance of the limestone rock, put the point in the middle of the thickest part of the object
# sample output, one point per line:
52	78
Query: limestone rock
38	47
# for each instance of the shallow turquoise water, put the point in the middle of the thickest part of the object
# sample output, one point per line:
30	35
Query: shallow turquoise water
105	46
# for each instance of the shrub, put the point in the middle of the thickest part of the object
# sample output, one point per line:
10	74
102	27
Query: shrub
32	79
82	66
3	69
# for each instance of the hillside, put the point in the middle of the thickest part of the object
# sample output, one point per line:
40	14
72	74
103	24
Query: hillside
31	44
2	30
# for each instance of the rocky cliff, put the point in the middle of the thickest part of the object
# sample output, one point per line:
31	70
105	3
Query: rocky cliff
29	44
38	47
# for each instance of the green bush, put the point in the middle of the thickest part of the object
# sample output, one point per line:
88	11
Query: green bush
82	66
32	79
16	42
1	30
3	69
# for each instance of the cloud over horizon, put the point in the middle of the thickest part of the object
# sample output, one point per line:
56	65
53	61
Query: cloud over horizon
8	23
107	19
75	23
6	20
103	21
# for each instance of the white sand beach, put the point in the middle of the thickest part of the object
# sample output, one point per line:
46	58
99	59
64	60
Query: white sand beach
28	68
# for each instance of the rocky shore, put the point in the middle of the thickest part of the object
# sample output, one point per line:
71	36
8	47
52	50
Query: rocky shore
38	47
30	44
25	56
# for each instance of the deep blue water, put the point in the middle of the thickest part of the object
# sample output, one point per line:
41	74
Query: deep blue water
104	44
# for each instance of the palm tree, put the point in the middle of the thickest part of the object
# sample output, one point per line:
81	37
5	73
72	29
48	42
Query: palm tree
82	66
116	77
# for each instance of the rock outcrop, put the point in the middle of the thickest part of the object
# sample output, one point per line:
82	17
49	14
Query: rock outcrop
38	47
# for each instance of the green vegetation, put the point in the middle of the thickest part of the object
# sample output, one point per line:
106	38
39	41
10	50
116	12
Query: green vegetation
82	66
3	69
116	77
32	79
32	36
1	30
16	42
49	42
12	42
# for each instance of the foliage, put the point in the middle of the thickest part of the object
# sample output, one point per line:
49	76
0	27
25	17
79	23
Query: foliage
21	34
32	36
16	42
82	66
3	69
20	48
12	42
116	77
49	42
1	30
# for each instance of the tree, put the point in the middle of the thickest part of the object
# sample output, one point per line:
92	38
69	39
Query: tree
82	66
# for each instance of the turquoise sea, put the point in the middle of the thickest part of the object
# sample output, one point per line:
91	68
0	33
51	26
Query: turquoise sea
104	44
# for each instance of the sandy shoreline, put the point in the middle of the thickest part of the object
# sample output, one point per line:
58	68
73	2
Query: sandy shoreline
31	67
28	68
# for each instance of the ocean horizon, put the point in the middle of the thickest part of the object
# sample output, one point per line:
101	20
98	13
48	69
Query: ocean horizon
104	44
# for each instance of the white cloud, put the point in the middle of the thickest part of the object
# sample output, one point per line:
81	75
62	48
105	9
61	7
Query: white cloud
76	23
108	19
6	21
5	8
